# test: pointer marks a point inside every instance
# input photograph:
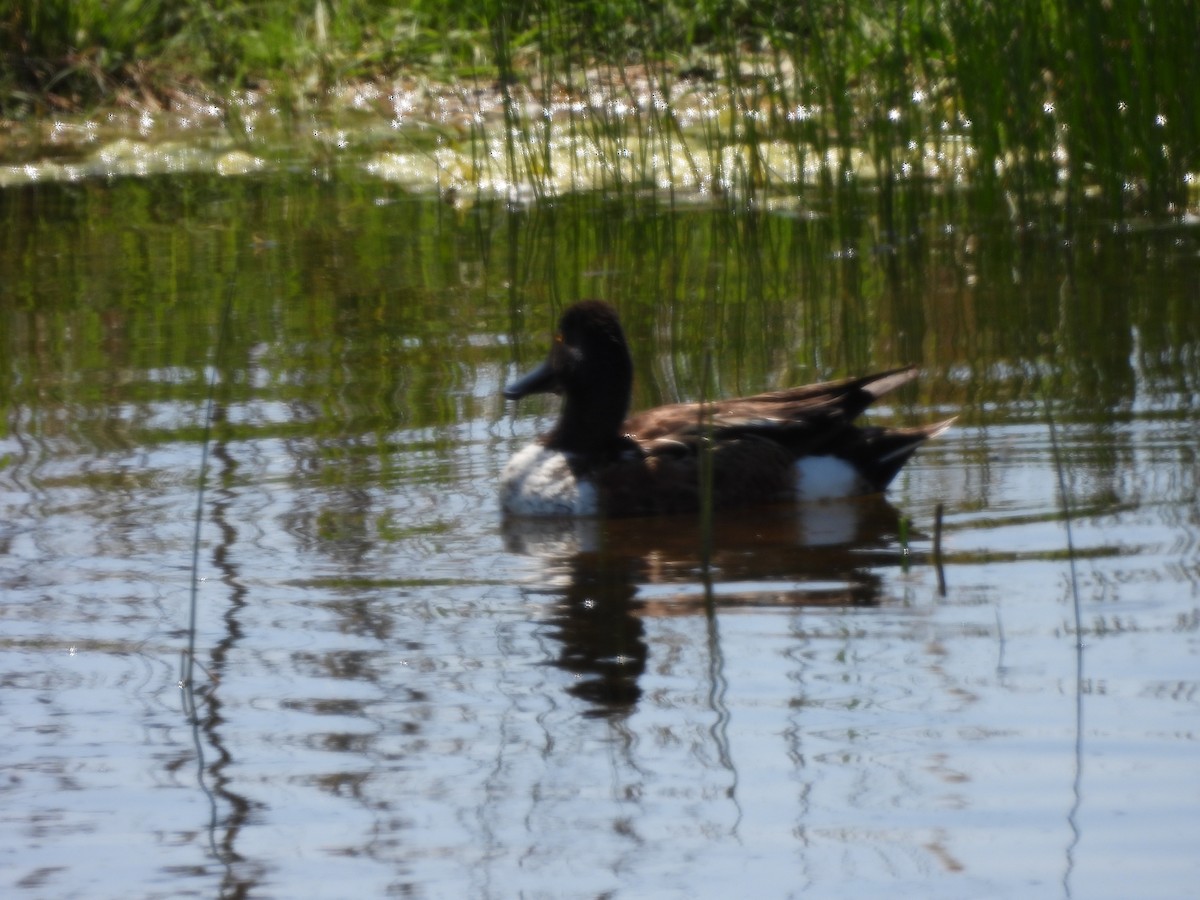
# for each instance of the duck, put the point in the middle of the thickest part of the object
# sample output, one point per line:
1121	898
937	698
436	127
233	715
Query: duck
799	444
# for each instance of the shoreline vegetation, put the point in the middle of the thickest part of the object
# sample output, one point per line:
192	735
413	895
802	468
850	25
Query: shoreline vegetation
1027	101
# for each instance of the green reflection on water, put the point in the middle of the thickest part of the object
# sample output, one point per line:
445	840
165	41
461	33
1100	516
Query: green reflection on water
360	310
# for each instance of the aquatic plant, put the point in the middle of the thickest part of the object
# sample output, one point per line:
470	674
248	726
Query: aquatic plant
744	99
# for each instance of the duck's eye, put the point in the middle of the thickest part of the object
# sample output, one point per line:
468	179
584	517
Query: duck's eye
558	338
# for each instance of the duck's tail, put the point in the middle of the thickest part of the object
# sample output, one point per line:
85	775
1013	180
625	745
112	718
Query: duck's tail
880	453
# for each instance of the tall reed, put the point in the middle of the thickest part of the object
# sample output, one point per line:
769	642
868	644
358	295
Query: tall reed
747	99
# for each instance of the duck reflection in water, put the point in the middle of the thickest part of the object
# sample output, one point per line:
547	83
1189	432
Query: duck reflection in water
610	576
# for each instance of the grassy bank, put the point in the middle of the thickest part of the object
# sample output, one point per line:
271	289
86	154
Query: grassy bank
1044	96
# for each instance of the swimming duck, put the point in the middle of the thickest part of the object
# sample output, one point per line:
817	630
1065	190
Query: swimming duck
797	444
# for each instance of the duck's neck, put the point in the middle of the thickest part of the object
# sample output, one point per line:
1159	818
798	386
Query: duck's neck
589	424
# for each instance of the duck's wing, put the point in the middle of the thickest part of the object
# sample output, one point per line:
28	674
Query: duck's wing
805	419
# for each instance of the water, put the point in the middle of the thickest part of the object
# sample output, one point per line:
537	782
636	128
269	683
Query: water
397	693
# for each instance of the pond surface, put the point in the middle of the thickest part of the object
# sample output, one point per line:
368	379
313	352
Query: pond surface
397	693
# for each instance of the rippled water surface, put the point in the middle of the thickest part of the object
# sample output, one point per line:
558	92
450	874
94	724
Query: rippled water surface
399	694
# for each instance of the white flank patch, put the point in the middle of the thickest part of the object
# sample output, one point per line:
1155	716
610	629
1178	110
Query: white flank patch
538	482
827	478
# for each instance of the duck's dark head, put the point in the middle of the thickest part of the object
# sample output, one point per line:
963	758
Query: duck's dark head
589	364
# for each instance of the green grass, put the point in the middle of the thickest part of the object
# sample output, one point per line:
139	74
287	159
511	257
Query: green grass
1051	97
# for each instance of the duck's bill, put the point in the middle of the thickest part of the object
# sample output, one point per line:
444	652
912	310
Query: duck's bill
541	380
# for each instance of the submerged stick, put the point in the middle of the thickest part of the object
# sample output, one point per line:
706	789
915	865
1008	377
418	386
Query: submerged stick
937	549
1065	499
705	474
1077	782
189	655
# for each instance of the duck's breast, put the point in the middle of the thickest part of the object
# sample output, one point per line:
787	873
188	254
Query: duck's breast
539	482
